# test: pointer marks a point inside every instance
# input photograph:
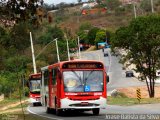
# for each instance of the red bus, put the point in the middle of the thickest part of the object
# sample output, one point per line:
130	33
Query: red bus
75	85
34	88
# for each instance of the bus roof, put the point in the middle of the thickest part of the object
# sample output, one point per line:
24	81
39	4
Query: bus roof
59	64
35	75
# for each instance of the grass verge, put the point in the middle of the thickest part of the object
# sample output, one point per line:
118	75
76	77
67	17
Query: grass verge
9	101
125	101
15	112
21	117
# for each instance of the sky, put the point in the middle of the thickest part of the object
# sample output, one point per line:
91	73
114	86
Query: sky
59	1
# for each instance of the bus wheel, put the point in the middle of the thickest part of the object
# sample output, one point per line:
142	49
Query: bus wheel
48	110
58	112
95	111
33	104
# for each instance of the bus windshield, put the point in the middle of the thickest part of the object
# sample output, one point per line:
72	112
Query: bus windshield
35	86
83	81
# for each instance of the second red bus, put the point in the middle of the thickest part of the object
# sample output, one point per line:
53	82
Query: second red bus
34	88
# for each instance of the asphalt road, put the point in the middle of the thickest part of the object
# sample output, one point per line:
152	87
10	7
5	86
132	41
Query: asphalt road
114	70
117	80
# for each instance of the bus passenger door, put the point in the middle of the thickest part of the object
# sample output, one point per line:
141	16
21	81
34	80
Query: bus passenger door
54	87
58	78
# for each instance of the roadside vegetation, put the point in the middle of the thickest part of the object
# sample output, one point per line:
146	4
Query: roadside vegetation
13	105
141	41
13	109
21	117
123	100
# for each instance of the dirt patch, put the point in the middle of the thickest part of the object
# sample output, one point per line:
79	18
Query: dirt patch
16	111
12	105
91	48
131	91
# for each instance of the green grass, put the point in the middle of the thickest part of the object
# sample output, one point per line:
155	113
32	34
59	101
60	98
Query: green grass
124	101
24	105
18	115
8	101
21	117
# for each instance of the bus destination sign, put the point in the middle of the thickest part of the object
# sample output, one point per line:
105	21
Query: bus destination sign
35	76
83	65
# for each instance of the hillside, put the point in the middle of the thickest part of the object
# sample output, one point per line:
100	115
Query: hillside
108	20
116	15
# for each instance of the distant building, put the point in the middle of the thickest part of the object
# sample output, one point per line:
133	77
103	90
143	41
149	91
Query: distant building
89	5
94	11
90	8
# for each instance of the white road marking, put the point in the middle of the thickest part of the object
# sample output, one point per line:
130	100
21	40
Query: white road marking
42	115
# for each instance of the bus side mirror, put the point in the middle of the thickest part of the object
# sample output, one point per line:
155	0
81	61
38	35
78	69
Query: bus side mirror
107	79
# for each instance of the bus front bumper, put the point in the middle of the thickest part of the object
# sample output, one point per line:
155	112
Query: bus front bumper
87	104
34	100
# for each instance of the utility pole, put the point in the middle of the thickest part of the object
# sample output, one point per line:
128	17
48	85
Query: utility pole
33	57
57	50
68	50
134	8
152	6
79	48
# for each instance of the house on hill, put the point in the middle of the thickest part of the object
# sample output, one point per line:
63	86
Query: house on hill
90	8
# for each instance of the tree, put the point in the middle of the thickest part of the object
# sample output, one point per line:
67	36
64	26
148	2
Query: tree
108	36
83	37
50	34
16	63
92	35
57	32
83	31
6	86
112	4
4	37
141	38
98	1
62	45
3	56
9	77
146	5
20	36
19	10
85	26
79	1
100	36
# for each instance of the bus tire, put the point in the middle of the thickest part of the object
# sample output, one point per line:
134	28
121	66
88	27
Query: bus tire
48	110
58	112
95	111
33	104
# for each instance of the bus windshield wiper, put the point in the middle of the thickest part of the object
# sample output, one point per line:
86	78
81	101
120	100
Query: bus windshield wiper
79	77
88	75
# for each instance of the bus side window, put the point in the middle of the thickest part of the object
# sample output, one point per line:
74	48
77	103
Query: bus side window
46	77
54	73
